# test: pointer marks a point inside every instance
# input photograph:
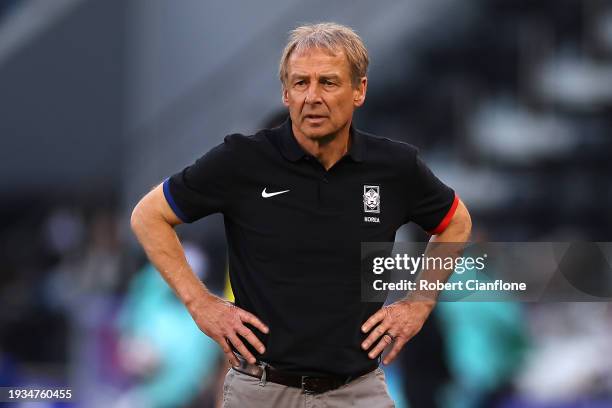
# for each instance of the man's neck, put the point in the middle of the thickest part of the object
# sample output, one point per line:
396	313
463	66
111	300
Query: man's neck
328	149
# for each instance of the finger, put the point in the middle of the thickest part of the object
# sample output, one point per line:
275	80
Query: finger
227	350
250	318
373	320
242	348
374	335
251	338
398	344
380	347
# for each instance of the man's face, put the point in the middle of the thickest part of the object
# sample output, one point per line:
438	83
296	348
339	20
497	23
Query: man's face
319	93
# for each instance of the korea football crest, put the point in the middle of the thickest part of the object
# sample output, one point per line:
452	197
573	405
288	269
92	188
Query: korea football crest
371	199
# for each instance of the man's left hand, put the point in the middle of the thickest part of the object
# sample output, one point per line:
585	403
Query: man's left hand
395	324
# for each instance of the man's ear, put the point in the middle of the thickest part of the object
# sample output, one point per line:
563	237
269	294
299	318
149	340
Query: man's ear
359	93
285	96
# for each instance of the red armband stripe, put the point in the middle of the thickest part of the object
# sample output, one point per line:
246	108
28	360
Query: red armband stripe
447	218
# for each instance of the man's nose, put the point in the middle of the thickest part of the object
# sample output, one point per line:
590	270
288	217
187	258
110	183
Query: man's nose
313	95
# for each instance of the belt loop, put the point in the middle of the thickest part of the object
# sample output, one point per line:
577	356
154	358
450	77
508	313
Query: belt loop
263	380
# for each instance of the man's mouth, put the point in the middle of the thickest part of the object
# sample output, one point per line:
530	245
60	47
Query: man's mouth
314	117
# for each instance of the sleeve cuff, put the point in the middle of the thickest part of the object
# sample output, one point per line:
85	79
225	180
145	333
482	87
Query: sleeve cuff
447	218
172	203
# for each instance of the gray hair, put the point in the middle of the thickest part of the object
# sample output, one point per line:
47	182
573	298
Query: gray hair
328	36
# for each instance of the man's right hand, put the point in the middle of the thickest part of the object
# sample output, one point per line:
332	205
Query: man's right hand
222	321
153	223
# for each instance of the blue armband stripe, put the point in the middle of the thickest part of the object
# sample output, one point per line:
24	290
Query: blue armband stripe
172	203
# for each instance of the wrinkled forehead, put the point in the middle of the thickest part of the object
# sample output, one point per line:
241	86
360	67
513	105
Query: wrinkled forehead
316	55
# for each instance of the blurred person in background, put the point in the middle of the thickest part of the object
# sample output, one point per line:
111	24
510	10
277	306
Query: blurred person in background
84	285
161	349
485	343
289	242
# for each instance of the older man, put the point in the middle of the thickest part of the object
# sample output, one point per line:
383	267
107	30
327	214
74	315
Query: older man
297	202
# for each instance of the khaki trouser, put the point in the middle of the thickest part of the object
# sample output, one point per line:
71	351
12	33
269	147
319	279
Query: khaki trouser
243	391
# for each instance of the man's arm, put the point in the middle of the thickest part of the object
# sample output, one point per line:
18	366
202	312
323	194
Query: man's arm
405	318
153	223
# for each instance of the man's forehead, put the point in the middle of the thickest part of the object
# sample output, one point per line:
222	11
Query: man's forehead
332	61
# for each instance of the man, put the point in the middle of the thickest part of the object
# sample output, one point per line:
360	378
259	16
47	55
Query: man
297	202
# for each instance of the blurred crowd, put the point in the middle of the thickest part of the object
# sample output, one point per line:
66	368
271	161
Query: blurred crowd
78	312
510	102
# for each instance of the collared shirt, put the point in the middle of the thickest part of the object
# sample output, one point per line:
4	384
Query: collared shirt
294	233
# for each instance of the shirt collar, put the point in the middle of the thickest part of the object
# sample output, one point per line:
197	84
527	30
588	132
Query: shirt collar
291	149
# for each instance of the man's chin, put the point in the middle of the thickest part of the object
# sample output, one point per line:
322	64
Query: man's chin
318	132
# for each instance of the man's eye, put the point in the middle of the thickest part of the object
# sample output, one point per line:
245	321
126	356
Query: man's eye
300	83
329	83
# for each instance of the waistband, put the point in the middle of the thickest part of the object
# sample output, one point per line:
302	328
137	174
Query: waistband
308	384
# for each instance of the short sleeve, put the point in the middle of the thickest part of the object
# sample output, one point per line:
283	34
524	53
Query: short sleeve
434	202
203	187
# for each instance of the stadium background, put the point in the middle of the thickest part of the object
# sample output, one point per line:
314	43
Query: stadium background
510	101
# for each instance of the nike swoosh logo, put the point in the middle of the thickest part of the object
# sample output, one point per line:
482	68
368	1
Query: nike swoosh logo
264	194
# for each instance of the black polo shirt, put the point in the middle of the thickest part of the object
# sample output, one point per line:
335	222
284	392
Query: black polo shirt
294	232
